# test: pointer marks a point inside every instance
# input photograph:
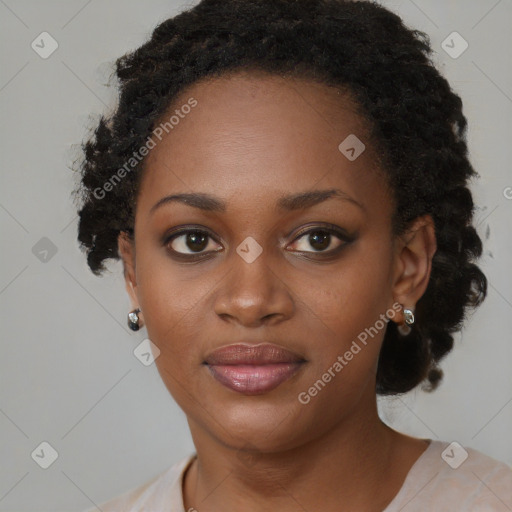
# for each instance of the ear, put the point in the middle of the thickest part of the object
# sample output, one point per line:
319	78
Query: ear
126	248
413	262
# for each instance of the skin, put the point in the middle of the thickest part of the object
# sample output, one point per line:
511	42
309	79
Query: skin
252	139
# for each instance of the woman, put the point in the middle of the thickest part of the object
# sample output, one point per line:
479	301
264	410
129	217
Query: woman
286	184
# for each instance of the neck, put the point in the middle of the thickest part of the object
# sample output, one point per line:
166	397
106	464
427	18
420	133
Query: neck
350	465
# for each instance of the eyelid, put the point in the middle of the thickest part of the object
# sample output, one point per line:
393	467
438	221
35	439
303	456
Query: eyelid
343	237
325	226
178	231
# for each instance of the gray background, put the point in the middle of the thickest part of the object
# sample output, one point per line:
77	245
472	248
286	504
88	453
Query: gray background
68	375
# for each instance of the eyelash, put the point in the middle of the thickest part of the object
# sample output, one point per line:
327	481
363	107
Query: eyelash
325	229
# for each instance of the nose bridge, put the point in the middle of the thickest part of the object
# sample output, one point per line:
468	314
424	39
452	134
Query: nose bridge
252	289
252	275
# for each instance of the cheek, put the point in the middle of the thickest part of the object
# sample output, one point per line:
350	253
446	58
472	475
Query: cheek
348	308
345	352
169	300
353	294
170	305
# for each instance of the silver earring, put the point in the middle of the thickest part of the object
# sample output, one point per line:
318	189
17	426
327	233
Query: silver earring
133	319
405	329
409	316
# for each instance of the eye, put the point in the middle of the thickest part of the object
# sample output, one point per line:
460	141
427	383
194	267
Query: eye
191	241
186	243
321	240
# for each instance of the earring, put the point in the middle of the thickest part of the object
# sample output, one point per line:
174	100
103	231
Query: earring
405	329
133	319
409	316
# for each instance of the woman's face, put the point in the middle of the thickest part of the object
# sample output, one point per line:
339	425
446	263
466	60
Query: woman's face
311	275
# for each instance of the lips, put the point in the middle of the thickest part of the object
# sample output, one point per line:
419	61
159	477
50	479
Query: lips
253	369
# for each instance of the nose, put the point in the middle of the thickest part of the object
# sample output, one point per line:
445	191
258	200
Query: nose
253	293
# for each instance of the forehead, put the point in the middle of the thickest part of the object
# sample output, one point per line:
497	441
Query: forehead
256	133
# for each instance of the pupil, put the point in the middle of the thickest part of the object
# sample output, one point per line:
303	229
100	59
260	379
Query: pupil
196	241
319	240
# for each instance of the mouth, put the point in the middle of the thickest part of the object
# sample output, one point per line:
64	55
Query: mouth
253	369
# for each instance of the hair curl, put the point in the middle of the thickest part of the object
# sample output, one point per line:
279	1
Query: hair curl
416	123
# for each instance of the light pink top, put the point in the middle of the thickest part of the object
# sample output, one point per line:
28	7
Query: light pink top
445	478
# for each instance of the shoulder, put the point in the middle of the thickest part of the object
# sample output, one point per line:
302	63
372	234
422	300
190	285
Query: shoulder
449	476
159	493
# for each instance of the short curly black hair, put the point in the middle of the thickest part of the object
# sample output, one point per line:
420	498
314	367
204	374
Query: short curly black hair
416	120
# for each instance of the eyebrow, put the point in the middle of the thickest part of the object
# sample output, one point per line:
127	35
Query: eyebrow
299	201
